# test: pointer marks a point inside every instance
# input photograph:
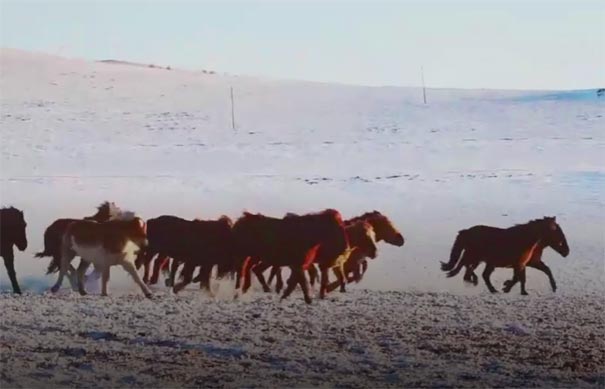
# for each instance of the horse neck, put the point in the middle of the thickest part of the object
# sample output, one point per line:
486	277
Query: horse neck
530	235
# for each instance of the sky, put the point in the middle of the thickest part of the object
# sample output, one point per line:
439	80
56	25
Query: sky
515	44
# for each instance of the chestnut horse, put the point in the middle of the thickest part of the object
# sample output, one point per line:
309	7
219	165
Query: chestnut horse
293	241
384	231
363	245
517	247
12	232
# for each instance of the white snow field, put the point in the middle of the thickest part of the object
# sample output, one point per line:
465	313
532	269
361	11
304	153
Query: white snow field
75	133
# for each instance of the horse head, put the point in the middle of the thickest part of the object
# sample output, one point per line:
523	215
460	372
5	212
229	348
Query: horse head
554	236
14	230
384	229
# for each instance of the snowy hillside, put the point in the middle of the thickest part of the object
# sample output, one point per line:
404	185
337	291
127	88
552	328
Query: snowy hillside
75	133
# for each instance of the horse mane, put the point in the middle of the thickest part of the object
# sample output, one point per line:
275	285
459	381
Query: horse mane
11	209
226	219
364	217
534	223
125	216
533	228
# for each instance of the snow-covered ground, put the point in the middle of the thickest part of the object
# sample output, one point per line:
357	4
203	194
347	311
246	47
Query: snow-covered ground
362	339
155	141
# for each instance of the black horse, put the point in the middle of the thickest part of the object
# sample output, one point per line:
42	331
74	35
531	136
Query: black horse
12	232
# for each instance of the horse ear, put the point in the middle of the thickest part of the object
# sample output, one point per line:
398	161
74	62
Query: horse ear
142	225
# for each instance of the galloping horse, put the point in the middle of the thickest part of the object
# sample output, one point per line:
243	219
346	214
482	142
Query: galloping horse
362	240
384	230
517	247
53	234
293	241
203	243
12	232
356	264
115	242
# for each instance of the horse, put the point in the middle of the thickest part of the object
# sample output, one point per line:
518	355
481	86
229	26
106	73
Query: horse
12	232
115	242
53	234
384	231
203	243
294	241
356	266
362	240
514	247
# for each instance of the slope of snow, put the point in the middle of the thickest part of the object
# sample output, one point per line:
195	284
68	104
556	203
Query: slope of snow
76	133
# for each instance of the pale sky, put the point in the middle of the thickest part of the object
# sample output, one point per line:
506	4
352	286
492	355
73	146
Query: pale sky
515	44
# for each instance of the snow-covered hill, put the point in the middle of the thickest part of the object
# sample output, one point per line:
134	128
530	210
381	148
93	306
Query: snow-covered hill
75	133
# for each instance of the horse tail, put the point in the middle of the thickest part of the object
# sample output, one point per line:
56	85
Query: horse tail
455	254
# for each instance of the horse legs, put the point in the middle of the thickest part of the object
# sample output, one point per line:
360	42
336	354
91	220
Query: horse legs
323	289
302	280
66	258
293	280
333	285
364	267
469	274
546	270
159	263
131	269
174	266
258	270
81	272
9	263
104	280
273	274
204	276
520	274
313	274
187	274
276	273
489	269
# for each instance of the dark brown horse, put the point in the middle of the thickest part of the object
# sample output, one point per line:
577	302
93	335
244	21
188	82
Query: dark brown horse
356	265
514	247
12	232
54	233
294	241
203	243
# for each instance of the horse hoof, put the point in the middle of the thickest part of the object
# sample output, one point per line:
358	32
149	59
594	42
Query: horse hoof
149	295
54	289
308	301
524	294
83	293
494	291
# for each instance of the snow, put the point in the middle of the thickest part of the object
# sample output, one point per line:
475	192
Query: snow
75	133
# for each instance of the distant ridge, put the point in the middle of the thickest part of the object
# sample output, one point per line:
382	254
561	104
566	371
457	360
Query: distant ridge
142	65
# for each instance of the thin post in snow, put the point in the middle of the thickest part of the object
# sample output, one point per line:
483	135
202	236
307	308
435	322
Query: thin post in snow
423	86
232	111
